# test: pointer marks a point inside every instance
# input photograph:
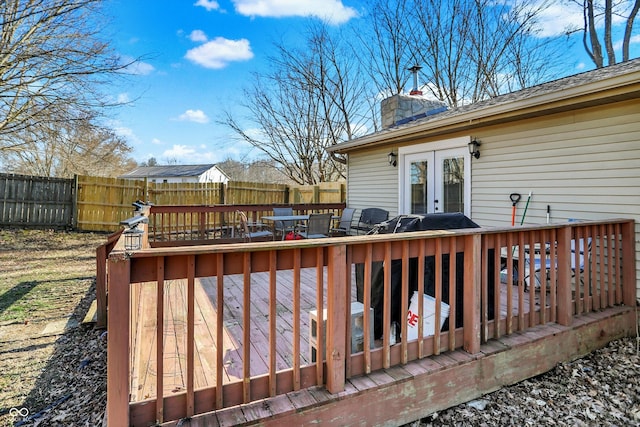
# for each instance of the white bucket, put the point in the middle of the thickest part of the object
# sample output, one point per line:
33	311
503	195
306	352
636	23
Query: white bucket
429	313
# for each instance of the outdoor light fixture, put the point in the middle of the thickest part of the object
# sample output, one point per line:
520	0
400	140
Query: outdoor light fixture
133	235
133	239
473	148
392	158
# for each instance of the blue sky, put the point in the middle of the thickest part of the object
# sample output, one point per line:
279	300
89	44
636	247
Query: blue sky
198	55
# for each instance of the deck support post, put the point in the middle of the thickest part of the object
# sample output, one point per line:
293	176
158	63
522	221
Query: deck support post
118	340
336	331
629	279
101	286
565	305
472	280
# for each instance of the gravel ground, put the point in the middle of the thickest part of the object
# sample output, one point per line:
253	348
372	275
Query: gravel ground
71	385
600	389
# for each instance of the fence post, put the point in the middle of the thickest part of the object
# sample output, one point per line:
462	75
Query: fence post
336	331
316	194
118	341
74	201
629	264
472	279
565	307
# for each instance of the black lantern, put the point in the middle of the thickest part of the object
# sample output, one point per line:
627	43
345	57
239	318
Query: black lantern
473	148
392	159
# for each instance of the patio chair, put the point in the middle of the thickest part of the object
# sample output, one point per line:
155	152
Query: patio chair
283	227
344	226
317	226
249	235
537	268
370	217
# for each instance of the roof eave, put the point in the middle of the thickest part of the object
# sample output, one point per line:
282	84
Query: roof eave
600	92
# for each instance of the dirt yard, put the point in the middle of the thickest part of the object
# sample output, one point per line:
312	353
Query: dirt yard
52	368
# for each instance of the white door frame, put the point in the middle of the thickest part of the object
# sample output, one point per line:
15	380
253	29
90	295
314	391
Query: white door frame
431	150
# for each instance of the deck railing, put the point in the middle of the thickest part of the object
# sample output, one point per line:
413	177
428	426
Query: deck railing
489	300
169	225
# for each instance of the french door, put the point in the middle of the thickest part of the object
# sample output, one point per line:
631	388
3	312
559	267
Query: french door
436	181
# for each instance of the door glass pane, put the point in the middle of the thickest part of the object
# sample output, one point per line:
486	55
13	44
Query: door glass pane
419	187
453	184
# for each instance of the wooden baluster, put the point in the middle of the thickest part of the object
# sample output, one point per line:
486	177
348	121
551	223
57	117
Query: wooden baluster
191	272
219	329
565	308
471	315
160	340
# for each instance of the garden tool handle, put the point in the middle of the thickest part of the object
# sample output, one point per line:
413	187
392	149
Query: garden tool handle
515	198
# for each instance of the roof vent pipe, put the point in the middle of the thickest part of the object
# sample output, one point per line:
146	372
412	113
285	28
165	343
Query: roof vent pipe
414	70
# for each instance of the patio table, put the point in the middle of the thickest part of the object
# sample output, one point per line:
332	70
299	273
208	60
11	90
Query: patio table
295	218
283	218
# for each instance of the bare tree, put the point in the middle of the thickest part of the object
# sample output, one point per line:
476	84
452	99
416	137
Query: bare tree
475	49
596	13
52	67
311	99
64	149
384	47
256	171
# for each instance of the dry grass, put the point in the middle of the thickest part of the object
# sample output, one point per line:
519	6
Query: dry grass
48	278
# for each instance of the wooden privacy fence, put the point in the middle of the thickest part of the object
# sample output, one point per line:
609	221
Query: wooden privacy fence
146	287
104	202
32	201
90	203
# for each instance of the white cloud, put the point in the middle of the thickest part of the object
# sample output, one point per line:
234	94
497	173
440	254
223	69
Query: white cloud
207	4
333	11
179	151
198	36
123	98
633	40
156	141
196	116
254	133
126	133
218	53
558	18
186	154
137	67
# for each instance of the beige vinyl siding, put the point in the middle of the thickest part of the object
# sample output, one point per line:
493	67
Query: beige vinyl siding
583	164
372	182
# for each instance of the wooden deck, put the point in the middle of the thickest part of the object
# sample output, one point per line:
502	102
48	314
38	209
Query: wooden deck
143	333
228	345
436	382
